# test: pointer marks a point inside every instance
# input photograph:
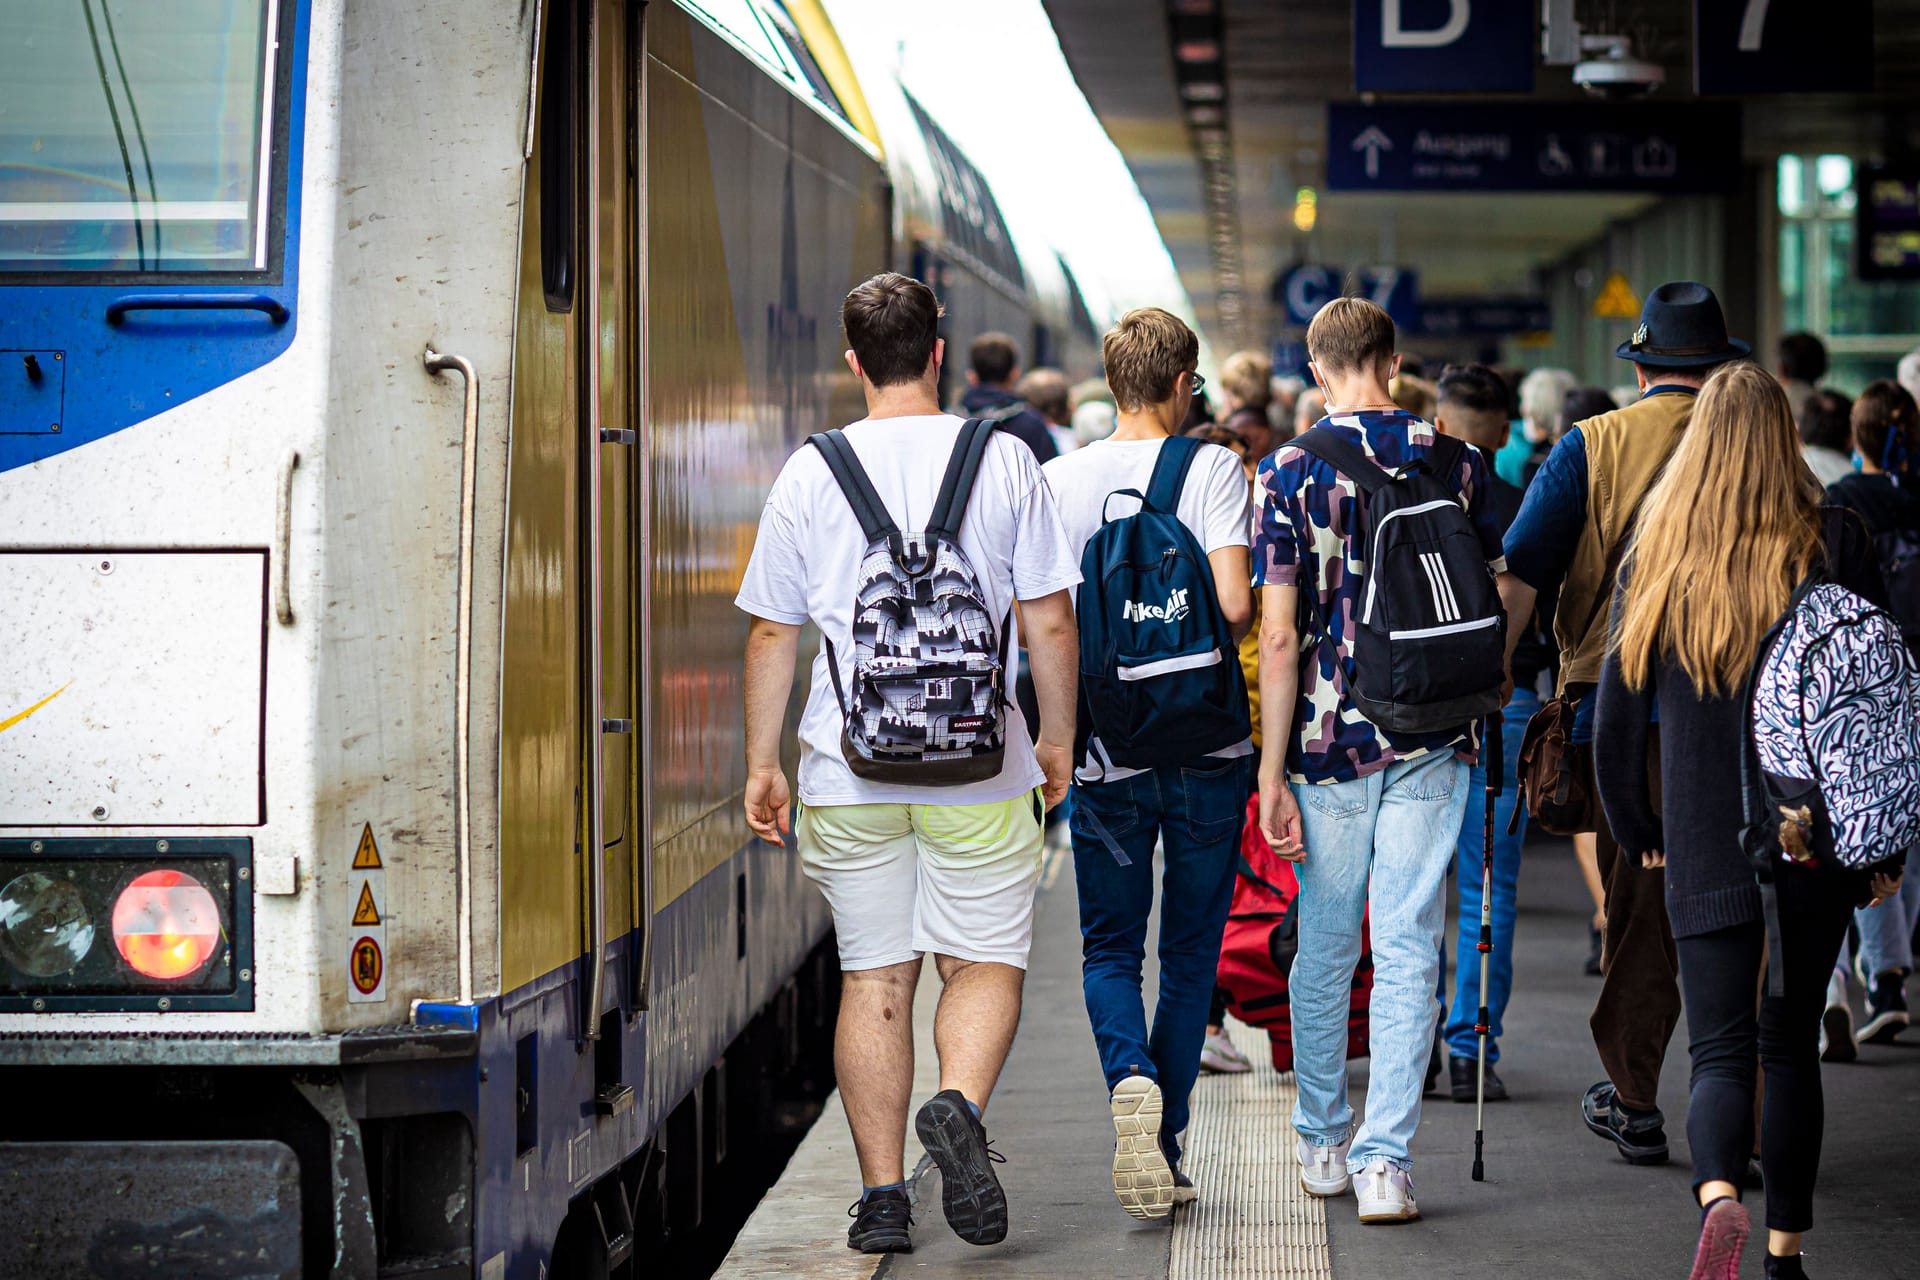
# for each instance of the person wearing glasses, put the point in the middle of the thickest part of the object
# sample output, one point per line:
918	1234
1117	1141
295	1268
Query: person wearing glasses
1190	810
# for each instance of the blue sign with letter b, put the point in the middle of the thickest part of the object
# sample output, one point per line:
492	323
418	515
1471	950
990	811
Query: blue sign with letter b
1425	46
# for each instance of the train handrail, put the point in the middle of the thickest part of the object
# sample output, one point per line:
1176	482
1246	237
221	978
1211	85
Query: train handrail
463	665
267	305
283	541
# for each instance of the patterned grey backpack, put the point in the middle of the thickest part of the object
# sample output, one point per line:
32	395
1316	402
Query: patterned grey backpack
1831	771
929	703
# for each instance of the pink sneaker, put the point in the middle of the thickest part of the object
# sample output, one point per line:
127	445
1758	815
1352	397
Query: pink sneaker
1723	1238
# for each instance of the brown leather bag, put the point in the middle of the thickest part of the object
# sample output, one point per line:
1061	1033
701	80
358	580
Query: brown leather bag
1555	773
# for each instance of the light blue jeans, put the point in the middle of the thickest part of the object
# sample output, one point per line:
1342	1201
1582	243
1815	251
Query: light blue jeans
1396	829
1886	931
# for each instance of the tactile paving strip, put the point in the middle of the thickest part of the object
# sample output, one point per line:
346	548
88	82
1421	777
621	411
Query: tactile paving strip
1252	1219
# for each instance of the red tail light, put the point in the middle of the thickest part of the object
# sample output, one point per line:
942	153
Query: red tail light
166	924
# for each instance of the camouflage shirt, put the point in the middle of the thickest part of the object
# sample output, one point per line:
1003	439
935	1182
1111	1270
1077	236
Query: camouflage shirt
1307	509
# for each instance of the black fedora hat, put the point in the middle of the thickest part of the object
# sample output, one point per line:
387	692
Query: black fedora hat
1681	328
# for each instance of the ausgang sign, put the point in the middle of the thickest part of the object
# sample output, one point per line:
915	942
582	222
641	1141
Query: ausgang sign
1693	148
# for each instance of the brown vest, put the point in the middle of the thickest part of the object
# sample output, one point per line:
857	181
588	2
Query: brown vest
1626	451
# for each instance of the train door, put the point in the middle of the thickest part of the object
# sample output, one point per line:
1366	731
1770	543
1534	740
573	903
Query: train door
612	479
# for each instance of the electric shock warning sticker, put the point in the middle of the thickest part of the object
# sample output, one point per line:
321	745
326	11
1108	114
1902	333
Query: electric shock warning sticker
367	922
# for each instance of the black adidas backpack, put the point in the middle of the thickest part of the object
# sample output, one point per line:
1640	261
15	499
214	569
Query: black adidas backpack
928	703
1429	643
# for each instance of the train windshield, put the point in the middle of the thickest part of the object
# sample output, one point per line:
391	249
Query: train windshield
135	136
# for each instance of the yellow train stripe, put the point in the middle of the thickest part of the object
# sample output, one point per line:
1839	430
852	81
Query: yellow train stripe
13	720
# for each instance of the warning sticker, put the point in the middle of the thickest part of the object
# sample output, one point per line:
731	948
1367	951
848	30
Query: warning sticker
1616	300
366	911
367	856
367	922
369	968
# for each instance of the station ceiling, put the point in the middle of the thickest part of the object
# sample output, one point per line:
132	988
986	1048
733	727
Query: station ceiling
1286	59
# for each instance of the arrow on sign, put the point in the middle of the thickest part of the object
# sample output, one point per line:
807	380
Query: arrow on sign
1373	142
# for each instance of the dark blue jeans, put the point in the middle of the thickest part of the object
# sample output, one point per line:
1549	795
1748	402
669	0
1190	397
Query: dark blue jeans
1195	813
1462	1041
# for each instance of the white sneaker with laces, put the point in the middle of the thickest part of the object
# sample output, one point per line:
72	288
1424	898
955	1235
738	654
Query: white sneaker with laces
1221	1056
1385	1193
1143	1181
1323	1170
1836	1022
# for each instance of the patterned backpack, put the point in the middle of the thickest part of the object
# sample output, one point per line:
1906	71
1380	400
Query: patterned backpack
929	702
1831	769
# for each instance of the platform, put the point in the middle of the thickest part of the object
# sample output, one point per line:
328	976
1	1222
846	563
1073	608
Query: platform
1557	1203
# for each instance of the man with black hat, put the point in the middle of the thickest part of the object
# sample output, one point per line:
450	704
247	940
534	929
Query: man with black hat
1572	531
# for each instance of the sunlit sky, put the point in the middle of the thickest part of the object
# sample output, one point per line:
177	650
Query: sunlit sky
991	72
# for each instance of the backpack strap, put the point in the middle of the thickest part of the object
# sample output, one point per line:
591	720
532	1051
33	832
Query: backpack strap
1170	473
1762	842
875	523
956	489
1348	459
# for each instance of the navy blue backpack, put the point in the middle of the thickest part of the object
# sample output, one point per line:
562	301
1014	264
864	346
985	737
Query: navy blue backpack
1160	680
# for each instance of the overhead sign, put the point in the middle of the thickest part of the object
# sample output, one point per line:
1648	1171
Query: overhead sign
1616	300
1483	317
1887	226
1782	46
1551	147
1301	291
1425	46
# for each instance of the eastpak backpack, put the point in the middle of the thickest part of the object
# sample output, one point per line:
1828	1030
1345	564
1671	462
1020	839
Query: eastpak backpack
1160	674
928	704
1429	641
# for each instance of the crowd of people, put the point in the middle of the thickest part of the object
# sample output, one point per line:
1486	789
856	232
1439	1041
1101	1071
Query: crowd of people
1332	625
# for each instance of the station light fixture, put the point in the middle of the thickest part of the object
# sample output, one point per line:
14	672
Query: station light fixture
1197	50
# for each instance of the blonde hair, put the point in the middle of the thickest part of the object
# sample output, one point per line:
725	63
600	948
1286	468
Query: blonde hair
1415	395
1349	335
1247	377
1726	533
1145	354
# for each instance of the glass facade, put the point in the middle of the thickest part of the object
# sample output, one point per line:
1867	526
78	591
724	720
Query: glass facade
1867	325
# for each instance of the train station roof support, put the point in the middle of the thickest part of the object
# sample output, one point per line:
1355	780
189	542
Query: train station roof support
1221	110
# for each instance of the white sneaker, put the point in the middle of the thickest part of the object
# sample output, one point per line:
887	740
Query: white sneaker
1143	1181
1836	1023
1184	1192
1220	1055
1323	1170
1385	1193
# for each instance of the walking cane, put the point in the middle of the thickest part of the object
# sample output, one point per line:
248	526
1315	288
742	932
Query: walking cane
1493	762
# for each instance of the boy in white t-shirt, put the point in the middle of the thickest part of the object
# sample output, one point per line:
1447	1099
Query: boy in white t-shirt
1193	809
910	869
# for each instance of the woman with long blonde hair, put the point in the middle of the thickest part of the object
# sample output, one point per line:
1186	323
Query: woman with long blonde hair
1733	526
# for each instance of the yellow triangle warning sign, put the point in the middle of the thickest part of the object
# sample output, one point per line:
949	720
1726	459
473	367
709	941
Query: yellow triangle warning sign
1616	300
367	856
365	913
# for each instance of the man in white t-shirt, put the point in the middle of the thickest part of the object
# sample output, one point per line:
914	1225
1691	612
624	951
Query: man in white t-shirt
911	869
1193	809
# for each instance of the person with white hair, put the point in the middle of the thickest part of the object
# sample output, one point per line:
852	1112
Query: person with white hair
1908	373
1542	392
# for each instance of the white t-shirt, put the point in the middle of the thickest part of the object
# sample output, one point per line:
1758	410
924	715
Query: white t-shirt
806	561
1214	504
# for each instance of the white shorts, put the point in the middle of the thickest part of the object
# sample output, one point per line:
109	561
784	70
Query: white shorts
906	879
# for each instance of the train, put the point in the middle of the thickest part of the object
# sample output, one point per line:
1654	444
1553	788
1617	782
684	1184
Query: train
375	896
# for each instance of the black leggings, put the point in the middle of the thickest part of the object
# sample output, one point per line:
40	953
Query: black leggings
1721	974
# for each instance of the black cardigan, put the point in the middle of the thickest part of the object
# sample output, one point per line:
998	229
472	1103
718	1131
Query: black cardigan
1710	884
